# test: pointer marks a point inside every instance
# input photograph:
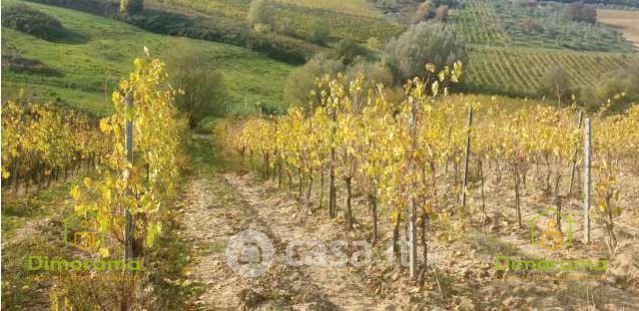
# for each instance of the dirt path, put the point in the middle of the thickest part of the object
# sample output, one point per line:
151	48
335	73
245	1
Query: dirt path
217	208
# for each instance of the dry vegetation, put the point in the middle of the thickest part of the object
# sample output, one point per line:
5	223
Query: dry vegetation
625	21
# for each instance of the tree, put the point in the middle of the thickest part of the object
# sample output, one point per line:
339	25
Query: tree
580	12
203	89
556	84
423	12
319	33
425	43
529	26
131	6
441	14
259	12
375	72
302	80
348	51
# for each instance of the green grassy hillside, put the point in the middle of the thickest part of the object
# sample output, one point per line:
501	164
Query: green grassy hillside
351	19
99	51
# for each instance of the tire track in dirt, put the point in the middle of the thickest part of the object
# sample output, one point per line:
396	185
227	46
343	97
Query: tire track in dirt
338	285
217	208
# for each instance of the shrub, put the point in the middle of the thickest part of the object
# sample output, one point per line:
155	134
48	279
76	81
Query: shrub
620	81
529	25
31	21
580	12
302	80
204	93
425	43
377	72
131	6
348	51
441	14
25	65
423	12
259	12
374	44
320	34
556	84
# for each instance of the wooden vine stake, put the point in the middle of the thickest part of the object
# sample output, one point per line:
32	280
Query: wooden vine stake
128	229
127	298
467	159
574	156
412	230
586	190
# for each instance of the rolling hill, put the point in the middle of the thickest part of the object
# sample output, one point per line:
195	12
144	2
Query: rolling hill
99	51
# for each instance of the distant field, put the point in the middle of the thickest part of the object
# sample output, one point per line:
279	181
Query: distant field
500	23
101	52
479	24
354	7
520	71
625	21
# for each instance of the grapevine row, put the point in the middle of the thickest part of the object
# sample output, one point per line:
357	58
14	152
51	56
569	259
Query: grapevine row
41	142
400	154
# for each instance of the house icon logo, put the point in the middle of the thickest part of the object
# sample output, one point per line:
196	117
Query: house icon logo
551	236
80	234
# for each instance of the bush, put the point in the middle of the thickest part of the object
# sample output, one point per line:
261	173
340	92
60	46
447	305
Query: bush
441	14
556	84
378	72
131	6
31	21
374	44
204	93
259	12
580	12
348	51
425	43
301	81
423	12
19	64
320	34
624	81
529	26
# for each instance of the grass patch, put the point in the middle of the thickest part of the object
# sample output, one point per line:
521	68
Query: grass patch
215	247
89	70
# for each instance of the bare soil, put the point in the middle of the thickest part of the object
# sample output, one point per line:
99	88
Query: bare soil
625	21
461	273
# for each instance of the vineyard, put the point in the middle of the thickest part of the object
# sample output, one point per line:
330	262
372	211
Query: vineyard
479	24
513	46
41	142
501	23
317	155
520	71
399	154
